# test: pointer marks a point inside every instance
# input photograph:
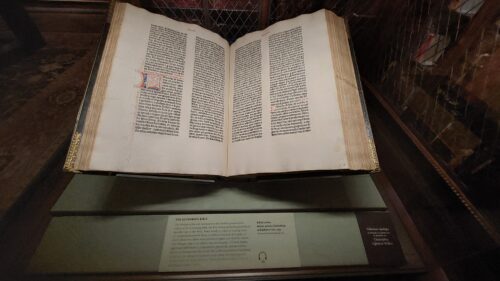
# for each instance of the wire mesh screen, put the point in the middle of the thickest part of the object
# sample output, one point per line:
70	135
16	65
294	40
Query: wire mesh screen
234	18
231	19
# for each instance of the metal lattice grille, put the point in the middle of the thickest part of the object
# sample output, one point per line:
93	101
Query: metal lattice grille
234	18
231	19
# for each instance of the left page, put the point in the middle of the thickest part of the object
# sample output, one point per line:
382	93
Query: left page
163	109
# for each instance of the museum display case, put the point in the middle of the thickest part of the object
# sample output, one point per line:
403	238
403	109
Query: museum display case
428	71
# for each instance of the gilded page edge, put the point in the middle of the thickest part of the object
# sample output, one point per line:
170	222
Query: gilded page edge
82	160
359	146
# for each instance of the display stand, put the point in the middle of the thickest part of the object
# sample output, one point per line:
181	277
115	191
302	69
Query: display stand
154	228
316	226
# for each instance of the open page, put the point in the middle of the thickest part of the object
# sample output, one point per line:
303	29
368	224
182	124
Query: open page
163	110
284	112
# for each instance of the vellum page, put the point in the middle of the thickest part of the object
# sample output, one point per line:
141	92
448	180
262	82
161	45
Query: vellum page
163	110
284	113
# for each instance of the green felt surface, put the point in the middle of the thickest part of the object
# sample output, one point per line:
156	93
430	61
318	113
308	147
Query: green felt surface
90	244
101	194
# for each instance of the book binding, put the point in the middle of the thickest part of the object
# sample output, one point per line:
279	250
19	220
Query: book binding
371	142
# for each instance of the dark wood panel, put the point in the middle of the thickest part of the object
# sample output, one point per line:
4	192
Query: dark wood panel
31	135
69	22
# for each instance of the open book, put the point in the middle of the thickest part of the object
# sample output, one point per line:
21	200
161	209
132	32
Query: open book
175	98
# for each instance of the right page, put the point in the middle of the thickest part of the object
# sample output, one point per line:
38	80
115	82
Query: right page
284	107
